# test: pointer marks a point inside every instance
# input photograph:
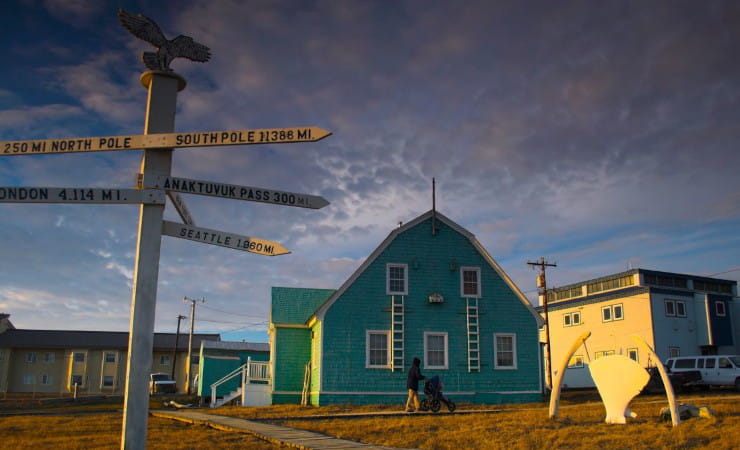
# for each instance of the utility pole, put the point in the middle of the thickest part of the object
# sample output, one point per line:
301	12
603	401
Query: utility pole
177	340
189	364
542	287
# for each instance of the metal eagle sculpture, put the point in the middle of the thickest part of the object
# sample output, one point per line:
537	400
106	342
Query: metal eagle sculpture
147	30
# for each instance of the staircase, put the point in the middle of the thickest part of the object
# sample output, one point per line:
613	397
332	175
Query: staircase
473	335
251	371
397	335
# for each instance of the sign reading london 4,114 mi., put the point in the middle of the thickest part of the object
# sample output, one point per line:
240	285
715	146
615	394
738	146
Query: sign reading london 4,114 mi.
229	240
13	194
164	140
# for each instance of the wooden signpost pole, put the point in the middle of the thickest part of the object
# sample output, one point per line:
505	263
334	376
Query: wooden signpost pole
160	118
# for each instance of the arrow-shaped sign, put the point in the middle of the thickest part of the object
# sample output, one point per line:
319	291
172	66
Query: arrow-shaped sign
12	194
164	140
229	240
253	194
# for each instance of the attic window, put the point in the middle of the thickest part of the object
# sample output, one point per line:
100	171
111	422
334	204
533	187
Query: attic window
397	279
470	281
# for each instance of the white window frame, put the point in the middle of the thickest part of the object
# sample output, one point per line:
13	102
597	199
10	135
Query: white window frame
672	304
388	352
105	357
388	279
513	351
164	360
621	311
112	381
602	353
567	320
72	380
576	362
49	357
611	314
573	320
31	357
683	306
74	357
478	289
717	308
634	350
29	379
426	350
674	352
46	380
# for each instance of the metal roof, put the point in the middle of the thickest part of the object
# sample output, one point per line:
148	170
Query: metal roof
20	338
236	346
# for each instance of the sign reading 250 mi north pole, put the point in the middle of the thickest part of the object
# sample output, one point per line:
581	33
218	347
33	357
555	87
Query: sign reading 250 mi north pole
164	140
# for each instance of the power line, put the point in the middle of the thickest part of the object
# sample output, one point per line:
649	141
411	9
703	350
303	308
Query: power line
227	312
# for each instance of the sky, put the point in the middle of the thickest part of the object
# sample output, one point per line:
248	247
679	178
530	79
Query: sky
602	136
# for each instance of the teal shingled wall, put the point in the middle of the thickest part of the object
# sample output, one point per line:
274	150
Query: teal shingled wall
365	306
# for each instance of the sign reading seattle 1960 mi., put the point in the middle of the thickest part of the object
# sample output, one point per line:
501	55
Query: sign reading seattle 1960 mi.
164	140
229	240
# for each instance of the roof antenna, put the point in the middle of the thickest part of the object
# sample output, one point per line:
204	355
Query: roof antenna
434	207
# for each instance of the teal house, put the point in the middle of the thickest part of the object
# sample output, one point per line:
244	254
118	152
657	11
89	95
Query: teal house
430	290
220	358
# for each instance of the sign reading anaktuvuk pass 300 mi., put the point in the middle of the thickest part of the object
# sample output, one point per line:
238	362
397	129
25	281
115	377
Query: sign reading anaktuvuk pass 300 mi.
164	140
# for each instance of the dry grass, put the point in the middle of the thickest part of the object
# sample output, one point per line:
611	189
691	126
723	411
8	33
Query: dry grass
103	431
580	425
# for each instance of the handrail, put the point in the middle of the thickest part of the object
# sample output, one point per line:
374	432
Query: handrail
238	371
250	371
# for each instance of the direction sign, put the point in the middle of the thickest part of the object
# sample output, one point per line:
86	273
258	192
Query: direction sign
164	140
12	194
229	240
181	207
253	194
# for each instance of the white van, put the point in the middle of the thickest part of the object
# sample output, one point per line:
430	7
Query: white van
716	370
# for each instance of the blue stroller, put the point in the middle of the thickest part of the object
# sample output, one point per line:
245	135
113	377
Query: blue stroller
435	397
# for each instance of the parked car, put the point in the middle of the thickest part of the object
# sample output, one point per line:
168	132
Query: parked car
161	383
680	382
716	370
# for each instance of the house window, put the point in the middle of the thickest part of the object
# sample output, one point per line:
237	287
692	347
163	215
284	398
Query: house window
504	351
396	279
719	308
377	353
680	308
76	379
49	357
79	357
164	360
110	357
674	352
31	357
670	308
470	282
29	379
108	381
603	353
576	362
572	319
612	312
632	354
46	379
435	350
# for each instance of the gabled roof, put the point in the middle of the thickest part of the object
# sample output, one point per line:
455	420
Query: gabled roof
296	305
21	338
396	232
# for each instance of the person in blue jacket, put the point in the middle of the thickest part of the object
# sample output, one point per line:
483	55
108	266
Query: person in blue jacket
412	384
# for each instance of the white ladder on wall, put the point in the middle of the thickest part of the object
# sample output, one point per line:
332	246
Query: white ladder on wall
473	335
397	335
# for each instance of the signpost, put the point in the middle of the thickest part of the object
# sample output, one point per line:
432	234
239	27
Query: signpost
158	142
253	194
224	239
12	194
164	140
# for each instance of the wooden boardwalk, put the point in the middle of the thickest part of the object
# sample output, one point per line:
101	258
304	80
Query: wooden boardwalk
273	433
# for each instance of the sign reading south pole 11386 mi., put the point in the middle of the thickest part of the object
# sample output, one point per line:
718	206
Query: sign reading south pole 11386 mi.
164	140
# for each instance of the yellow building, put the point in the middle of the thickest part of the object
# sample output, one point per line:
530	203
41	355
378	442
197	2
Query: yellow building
54	361
676	314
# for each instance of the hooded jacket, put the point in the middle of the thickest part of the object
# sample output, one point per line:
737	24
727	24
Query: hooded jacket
412	381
